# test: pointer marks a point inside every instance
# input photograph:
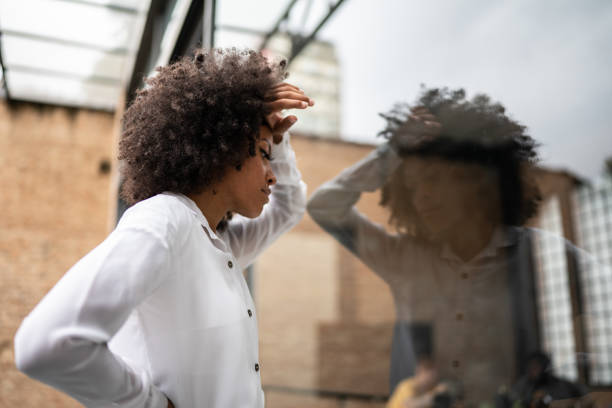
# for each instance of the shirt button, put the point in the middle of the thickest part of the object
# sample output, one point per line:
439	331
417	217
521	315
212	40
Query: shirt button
250	313
455	363
230	264
464	275
459	316
256	367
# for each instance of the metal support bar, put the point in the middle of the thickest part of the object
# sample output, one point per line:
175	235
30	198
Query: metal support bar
190	33
274	30
242	30
113	7
209	23
66	75
7	94
144	51
116	51
298	43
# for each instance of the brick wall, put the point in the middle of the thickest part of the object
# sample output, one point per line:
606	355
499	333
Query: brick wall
325	319
313	296
55	203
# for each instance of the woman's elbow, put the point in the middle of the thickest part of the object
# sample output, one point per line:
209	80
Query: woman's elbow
298	205
38	353
316	209
29	351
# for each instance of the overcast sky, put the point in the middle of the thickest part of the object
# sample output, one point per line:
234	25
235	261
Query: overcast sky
549	62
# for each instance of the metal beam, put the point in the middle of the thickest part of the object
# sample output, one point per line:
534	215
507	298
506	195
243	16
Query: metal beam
7	94
71	43
113	7
144	53
209	23
298	43
276	27
242	30
190	34
100	79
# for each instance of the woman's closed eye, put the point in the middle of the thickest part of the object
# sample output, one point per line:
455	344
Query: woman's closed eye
266	155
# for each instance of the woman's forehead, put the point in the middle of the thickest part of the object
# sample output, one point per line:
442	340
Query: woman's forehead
422	166
417	164
265	134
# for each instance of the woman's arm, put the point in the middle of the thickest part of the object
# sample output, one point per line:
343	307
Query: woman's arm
332	206
63	342
249	237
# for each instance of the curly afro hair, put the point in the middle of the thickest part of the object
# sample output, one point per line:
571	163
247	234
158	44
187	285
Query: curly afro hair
474	131
193	120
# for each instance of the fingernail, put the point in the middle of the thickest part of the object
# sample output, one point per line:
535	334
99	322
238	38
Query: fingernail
311	101
303	104
301	90
292	120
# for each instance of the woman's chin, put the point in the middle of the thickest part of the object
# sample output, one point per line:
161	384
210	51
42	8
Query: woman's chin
252	212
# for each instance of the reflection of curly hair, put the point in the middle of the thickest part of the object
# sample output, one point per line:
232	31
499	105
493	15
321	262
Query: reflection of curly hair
195	118
473	131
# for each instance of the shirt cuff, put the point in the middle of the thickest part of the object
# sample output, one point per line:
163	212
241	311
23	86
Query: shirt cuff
284	163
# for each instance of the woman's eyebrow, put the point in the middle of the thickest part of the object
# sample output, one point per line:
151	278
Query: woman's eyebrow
269	146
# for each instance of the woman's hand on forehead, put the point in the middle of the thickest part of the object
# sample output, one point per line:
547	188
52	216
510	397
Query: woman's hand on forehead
284	96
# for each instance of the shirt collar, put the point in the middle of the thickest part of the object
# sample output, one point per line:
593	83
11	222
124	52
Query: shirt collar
193	207
503	236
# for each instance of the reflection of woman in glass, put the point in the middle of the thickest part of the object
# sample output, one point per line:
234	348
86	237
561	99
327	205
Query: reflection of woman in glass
160	311
454	177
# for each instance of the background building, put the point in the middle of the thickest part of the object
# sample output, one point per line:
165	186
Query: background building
316	69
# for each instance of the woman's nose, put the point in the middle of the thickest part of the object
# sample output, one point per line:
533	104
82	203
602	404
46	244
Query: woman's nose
271	178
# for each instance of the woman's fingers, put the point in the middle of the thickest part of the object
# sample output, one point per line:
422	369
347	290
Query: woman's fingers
273	118
424	121
289	95
281	104
281	127
286	86
284	96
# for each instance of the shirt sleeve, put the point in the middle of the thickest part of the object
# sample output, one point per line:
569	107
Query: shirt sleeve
247	238
332	206
63	341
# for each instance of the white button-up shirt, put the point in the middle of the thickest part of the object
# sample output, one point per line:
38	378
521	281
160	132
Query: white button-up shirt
161	308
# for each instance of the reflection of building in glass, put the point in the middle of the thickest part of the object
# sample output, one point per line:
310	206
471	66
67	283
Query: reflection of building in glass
554	300
575	285
316	69
594	226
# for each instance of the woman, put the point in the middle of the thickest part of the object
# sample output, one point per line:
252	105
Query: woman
159	313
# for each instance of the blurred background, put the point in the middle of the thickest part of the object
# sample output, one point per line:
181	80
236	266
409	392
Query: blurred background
69	68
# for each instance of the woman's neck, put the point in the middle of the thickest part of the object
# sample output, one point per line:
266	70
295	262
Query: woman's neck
212	204
470	238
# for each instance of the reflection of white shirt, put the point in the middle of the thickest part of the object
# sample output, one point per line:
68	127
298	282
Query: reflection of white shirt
161	307
468	305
